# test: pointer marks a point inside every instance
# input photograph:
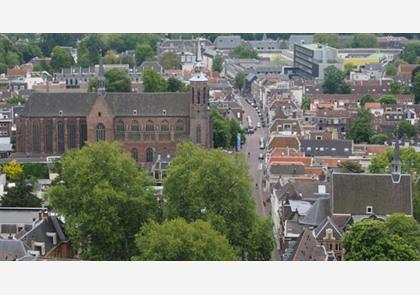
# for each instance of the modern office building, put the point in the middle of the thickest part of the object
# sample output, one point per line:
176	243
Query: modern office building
312	59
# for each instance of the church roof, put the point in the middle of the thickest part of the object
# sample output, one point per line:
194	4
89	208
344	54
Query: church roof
353	192
149	104
121	104
50	104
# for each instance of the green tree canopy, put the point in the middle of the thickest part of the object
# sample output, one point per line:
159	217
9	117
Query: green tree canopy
406	227
116	80
215	186
366	98
306	103
16	100
331	39
371	240
144	52
105	198
170	61
29	51
411	52
405	128
388	99
111	57
244	52
217	65
390	69
365	41
351	166
20	195
416	87
395	87
175	85
60	59
378	138
177	240
360	129
225	131
239	81
153	81
334	81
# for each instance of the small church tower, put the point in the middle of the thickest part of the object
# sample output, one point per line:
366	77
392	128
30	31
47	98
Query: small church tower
200	126
101	77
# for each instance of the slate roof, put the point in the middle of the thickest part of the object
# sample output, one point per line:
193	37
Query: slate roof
320	231
49	104
290	169
39	231
10	215
11	249
318	212
227	42
352	193
308	249
121	104
149	104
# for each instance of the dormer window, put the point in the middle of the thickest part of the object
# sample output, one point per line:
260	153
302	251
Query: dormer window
60	113
134	112
164	112
369	209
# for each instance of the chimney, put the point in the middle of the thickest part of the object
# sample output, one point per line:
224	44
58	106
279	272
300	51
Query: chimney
294	114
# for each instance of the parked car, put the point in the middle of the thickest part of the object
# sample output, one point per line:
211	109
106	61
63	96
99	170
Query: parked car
261	156
258	124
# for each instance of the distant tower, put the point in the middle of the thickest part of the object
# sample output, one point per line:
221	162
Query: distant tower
200	130
101	77
396	163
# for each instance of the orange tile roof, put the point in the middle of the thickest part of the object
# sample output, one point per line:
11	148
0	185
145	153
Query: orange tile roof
372	105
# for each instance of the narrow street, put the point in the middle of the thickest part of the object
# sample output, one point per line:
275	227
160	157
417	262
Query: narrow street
252	146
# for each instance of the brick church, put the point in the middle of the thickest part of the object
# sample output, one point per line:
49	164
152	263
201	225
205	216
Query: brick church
146	124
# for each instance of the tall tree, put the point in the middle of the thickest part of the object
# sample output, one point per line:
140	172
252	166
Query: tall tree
360	129
239	81
215	186
327	39
50	40
20	195
217	65
411	52
334	81
395	87
221	132
153	81
60	59
175	85
116	80
416	87
144	52
372	240
105	198
177	240
405	128
390	69
170	61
